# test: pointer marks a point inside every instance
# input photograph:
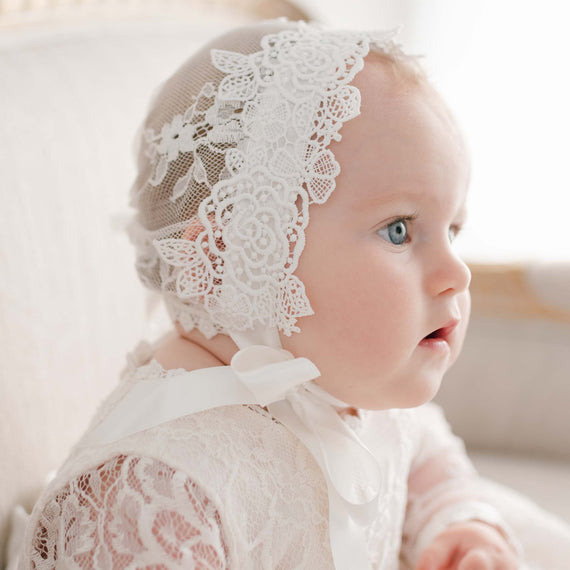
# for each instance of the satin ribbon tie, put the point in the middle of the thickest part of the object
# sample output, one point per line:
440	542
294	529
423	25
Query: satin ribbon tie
352	473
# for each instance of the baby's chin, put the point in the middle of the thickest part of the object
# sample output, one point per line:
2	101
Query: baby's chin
422	398
412	393
428	387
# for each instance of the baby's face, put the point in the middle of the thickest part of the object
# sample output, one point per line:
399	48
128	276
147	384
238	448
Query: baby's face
379	267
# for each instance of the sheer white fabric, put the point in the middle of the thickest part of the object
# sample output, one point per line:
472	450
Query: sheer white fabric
129	512
233	488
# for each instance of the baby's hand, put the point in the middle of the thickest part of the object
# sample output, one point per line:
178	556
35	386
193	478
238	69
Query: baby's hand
471	545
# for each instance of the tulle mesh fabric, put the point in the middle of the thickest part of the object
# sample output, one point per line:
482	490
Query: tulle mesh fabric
233	152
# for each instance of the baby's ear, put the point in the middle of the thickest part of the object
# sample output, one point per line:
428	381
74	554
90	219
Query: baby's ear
194	228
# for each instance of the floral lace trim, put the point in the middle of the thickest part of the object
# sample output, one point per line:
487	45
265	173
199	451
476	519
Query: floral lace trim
278	109
130	512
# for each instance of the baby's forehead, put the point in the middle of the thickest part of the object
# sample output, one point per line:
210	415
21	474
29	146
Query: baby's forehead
395	106
387	80
404	142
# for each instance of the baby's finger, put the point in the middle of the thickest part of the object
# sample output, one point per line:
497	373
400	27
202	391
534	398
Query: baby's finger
476	560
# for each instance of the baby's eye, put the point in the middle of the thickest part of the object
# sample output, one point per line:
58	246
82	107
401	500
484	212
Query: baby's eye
395	232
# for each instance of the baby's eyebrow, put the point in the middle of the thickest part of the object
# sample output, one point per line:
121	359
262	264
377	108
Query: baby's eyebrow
381	198
407	198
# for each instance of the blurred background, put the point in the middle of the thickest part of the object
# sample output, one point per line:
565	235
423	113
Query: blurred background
502	66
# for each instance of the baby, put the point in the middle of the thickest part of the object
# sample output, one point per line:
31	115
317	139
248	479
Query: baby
298	195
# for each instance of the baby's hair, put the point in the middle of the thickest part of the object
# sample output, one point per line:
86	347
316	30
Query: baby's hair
405	69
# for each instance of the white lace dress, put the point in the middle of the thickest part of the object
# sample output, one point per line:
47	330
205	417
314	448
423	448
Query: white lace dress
231	487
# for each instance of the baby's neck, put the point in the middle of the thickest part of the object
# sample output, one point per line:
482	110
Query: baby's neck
192	351
177	352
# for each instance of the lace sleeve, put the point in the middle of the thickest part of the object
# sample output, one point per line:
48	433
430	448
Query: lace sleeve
129	513
443	487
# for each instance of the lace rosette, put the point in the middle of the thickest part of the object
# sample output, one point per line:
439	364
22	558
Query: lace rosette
270	120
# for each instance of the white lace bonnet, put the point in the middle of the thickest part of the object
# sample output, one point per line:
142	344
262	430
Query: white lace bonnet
231	156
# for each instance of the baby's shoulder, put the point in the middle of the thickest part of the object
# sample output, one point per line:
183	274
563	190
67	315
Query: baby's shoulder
243	439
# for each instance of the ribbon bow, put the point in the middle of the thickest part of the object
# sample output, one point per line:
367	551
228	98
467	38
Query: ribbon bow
274	378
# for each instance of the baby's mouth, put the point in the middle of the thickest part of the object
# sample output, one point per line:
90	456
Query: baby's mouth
442	334
435	334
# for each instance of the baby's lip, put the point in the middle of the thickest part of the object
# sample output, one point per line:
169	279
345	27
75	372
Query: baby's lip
444	332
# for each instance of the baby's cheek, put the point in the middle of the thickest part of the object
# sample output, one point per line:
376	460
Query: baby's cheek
381	318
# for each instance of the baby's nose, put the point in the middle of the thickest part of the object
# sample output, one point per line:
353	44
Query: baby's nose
449	273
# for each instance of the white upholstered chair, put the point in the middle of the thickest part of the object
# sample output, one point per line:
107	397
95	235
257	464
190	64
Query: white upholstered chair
76	79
